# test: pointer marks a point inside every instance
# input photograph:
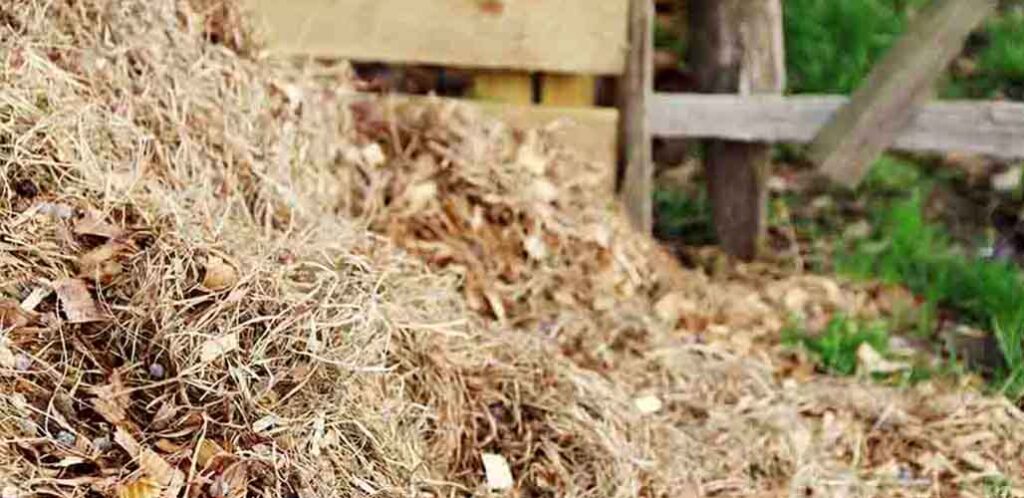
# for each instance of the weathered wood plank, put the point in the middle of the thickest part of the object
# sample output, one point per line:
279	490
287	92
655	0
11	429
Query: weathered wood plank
637	87
738	48
591	132
573	36
895	89
974	127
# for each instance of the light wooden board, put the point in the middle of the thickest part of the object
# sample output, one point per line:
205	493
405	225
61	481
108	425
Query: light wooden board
574	36
591	132
976	127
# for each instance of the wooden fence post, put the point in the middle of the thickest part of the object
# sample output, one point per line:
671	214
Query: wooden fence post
737	47
895	90
637	87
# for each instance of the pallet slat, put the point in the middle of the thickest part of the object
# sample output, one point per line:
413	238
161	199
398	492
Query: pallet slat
590	131
512	34
987	128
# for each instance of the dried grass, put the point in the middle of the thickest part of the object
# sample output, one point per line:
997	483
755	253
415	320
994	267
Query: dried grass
243	332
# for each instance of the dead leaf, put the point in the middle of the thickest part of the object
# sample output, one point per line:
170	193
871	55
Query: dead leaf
543	191
364	486
164	414
156	468
32	301
648	405
264	424
419	196
208	451
232	483
12	316
872	361
673	306
535	247
93	223
8	360
168	446
140	488
373	155
126	441
100	264
76	301
217	347
111	401
219	275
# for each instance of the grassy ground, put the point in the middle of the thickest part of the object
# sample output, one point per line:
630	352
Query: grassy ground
915	222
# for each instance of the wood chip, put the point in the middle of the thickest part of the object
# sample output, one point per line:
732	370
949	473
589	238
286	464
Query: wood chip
76	301
497	471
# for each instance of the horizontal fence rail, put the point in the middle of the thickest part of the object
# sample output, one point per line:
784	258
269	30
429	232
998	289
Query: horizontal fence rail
976	127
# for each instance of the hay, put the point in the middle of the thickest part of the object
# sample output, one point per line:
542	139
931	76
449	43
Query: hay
201	291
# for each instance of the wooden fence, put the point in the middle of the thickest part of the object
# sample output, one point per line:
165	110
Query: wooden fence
569	43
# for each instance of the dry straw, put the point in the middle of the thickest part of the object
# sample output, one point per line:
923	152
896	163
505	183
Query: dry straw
221	276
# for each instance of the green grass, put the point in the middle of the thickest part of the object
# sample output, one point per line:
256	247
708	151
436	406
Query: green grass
685	217
836	347
831	45
998	487
909	250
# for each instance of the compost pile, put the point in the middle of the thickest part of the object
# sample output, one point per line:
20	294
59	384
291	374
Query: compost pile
221	276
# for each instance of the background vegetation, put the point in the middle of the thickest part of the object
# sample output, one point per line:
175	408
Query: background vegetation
831	47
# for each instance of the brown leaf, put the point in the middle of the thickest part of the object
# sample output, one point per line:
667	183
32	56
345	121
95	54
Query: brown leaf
168	446
218	346
77	302
125	440
219	275
94	224
208	451
167	478
164	414
100	264
111	401
156	468
12	316
232	483
140	488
